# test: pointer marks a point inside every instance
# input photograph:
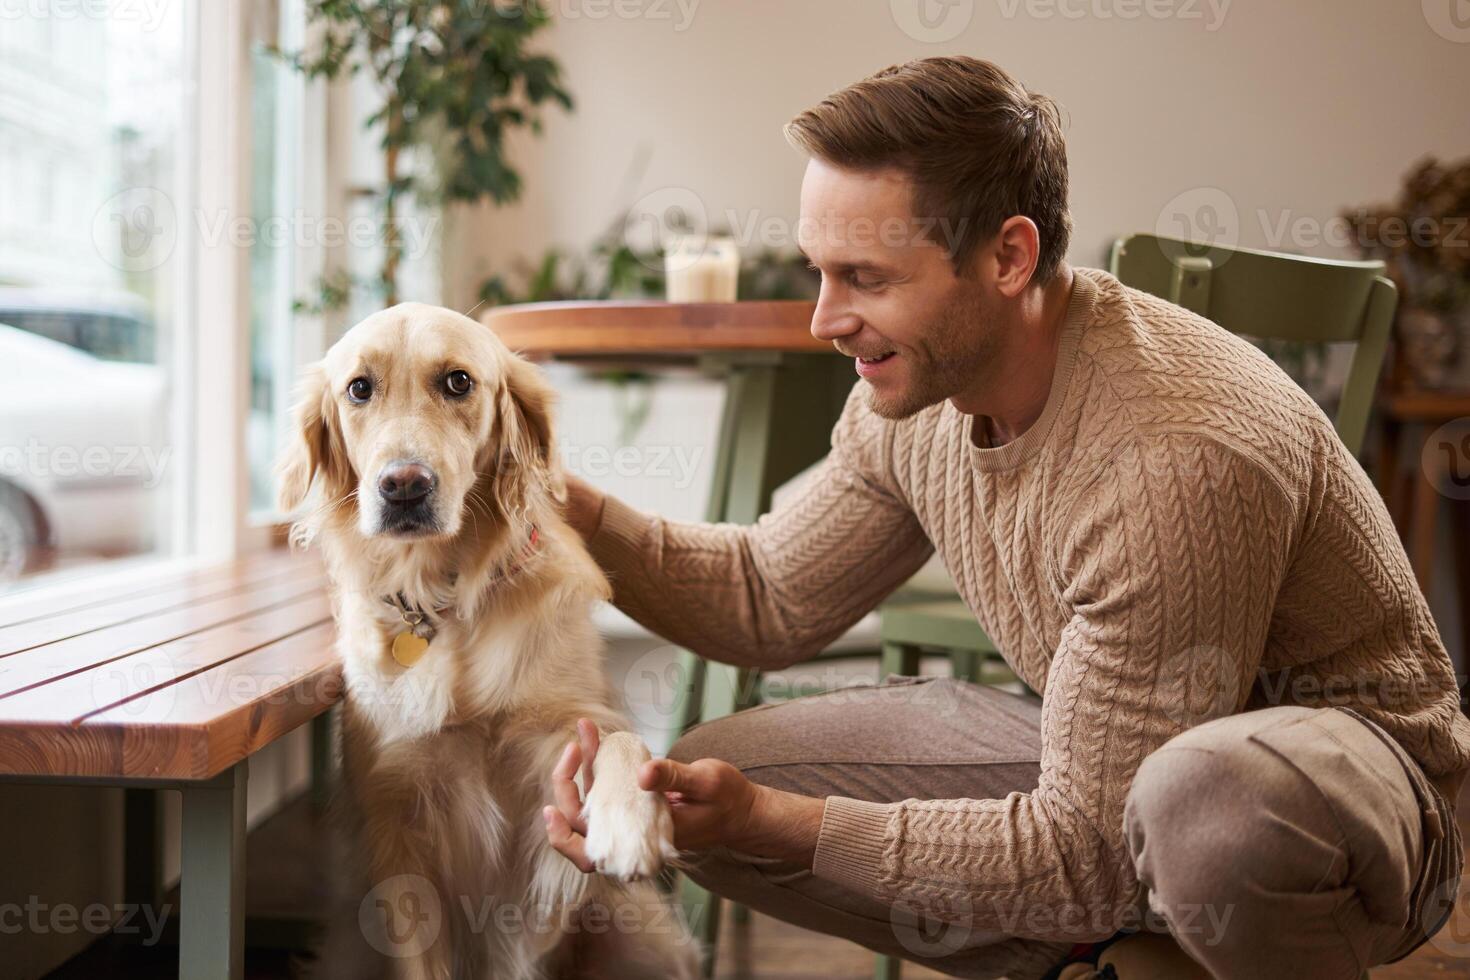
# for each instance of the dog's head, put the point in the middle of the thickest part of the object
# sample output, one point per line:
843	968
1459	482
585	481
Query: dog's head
416	415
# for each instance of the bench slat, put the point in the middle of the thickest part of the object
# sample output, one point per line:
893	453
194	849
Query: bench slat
178	677
51	629
71	698
279	687
39	665
23	607
188	733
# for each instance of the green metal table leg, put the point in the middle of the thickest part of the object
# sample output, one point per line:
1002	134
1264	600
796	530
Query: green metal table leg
803	395
212	885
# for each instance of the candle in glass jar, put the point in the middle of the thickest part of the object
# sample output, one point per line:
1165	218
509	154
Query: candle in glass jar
702	270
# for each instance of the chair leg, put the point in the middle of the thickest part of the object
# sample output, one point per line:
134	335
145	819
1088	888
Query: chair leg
212	879
899	658
702	912
965	665
143	848
887	968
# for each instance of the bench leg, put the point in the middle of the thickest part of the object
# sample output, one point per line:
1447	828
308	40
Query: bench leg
212	886
321	760
142	849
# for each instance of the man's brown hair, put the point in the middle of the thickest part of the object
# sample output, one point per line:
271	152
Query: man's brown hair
979	148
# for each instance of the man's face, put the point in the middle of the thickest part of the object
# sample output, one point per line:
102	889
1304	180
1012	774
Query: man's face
890	298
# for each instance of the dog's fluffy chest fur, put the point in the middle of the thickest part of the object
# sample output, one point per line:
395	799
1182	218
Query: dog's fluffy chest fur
468	672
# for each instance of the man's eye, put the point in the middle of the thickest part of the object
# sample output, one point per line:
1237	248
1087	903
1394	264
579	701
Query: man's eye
359	390
457	384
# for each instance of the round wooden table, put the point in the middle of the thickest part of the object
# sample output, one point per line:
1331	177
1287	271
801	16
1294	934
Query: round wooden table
660	330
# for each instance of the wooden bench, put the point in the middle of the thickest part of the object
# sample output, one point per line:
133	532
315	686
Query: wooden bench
172	681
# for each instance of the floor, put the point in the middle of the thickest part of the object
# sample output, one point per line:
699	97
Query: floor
283	880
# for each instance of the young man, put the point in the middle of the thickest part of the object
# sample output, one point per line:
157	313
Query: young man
1250	731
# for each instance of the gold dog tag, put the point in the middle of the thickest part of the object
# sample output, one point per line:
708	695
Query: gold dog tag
408	648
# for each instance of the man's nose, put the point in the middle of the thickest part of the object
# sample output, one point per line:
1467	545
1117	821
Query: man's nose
832	319
402	482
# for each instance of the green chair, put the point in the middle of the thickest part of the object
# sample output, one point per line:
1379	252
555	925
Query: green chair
1264	295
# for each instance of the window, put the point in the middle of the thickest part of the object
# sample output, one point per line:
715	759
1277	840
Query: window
94	271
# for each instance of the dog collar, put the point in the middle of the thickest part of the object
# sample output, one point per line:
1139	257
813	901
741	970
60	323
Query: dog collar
412	641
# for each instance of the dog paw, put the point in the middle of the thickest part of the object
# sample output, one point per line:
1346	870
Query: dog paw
630	835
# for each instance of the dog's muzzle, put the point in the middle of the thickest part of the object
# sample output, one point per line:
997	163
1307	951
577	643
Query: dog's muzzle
406	490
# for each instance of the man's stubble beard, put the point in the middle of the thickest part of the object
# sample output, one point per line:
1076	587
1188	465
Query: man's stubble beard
959	350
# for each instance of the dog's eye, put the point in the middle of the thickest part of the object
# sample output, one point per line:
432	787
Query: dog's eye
359	390
458	384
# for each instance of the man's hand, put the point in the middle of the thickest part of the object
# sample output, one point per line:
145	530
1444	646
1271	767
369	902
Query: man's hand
565	827
712	803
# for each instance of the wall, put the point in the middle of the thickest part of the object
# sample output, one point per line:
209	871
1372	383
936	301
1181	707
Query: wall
1289	110
1253	122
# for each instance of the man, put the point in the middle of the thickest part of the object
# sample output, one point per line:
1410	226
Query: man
1249	734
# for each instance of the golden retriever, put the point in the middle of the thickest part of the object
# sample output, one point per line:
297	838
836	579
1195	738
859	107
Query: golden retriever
425	454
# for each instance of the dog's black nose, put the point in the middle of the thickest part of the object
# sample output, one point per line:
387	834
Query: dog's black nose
405	483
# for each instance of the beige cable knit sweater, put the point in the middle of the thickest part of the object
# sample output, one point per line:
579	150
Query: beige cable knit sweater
1180	536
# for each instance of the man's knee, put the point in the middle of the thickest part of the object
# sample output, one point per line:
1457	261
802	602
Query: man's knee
1212	812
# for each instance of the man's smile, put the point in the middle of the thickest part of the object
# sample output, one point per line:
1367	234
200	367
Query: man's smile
870	366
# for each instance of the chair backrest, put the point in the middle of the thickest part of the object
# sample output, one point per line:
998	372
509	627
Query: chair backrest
1271	295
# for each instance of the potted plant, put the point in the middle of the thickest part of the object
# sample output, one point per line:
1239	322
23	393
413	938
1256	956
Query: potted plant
1424	239
455	79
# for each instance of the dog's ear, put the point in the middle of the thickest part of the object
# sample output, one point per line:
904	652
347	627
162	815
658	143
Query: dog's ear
316	450
527	448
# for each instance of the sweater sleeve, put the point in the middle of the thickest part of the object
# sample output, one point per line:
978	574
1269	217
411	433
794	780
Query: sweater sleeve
774	593
1169	566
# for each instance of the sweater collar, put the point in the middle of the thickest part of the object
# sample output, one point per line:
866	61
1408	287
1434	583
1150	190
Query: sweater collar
1079	313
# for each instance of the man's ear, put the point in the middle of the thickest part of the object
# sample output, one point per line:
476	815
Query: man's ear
527	446
316	450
